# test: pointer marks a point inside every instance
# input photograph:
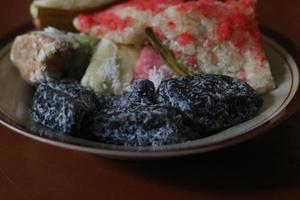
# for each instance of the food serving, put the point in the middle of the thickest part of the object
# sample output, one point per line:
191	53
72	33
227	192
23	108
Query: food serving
147	73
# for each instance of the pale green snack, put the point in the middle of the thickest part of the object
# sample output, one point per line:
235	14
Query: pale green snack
81	57
111	68
87	40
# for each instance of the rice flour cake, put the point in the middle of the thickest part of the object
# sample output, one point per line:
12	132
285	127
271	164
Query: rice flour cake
214	37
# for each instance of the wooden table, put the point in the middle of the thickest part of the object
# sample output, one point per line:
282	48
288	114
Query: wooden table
264	168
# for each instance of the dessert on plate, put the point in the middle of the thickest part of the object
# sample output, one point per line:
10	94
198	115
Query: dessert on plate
146	73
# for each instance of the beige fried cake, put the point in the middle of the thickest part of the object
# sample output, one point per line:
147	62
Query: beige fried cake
42	55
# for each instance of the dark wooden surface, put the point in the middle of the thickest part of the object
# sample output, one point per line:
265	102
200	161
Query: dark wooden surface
267	167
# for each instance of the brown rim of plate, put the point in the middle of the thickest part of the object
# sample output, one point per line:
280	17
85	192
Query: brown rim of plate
290	109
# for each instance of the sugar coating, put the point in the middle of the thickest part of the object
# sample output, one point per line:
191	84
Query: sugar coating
210	102
60	41
158	74
61	36
150	66
56	110
63	106
144	126
182	109
76	91
140	93
105	74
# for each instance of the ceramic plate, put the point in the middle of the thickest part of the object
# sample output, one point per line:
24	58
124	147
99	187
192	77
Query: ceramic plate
16	97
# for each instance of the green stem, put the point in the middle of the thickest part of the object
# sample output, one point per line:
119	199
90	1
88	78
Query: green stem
166	54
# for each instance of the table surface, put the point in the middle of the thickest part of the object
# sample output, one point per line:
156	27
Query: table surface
267	167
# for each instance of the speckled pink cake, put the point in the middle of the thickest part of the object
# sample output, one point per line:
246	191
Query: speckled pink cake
208	36
124	23
217	38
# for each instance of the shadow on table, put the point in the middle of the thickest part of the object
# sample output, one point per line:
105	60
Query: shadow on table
271	161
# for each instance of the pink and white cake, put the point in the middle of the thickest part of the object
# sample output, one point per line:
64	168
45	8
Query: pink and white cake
207	36
214	37
124	23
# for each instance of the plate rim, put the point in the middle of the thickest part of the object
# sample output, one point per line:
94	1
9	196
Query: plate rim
285	113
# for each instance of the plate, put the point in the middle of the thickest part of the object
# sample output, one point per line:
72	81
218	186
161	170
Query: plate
16	97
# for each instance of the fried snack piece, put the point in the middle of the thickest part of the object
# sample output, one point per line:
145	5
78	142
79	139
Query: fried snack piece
43	56
51	55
